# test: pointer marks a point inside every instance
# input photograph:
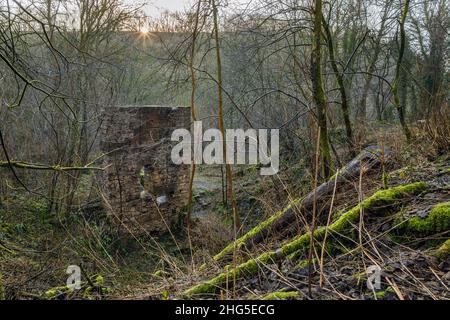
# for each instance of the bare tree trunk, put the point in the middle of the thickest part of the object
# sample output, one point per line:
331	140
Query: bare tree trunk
342	90
319	92
395	87
229	170
362	108
193	111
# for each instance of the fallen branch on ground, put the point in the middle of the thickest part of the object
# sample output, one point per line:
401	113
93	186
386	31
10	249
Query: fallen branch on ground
37	166
380	201
369	159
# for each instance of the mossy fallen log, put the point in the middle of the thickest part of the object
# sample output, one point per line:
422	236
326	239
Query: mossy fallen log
443	252
281	295
44	167
380	201
253	232
369	159
437	220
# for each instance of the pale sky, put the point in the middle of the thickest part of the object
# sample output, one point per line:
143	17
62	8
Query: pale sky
156	6
169	4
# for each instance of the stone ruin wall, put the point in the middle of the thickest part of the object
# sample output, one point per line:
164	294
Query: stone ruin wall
144	191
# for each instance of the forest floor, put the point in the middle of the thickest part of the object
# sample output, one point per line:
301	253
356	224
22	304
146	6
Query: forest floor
409	269
409	266
36	247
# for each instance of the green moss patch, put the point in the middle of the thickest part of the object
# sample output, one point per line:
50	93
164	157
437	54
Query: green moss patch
281	295
444	250
55	292
437	221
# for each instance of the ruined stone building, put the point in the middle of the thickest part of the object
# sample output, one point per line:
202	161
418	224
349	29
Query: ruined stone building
144	191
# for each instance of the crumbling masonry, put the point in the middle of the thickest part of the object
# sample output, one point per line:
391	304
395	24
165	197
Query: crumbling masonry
144	191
